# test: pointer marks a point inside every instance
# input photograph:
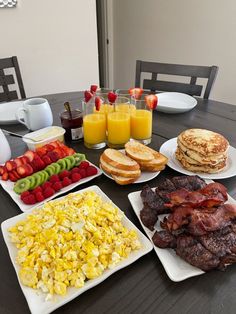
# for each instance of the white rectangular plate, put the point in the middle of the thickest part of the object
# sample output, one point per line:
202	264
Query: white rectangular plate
176	268
36	302
8	187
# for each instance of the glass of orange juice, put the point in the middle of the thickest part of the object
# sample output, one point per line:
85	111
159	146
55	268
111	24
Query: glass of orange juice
94	126
118	128
141	121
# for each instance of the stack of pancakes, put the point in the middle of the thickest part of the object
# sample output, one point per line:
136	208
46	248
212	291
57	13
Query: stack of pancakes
202	150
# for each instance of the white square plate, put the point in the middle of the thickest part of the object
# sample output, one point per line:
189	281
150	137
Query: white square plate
36	302
176	268
8	187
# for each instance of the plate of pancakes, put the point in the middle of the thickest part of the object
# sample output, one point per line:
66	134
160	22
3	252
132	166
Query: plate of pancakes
203	152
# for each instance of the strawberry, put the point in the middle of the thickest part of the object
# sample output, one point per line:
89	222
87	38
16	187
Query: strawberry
64	174
24	194
12	177
42	151
70	151
29	169
5	176
48	192
29	200
53	155
47	161
10	165
54	178
2	170
87	96
30	154
59	152
151	101
136	92
75	177
18	162
16	174
46	185
24	160
84	164
98	102
112	97
93	89
49	147
37	163
22	172
66	181
55	144
91	171
57	186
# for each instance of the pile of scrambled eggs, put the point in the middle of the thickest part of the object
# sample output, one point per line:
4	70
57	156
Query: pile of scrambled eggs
69	241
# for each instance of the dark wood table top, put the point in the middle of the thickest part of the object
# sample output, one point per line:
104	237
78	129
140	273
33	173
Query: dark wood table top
142	287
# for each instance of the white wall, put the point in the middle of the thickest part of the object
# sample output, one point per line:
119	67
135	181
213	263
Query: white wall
186	32
55	42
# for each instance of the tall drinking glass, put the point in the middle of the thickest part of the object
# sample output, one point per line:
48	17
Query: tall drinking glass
94	126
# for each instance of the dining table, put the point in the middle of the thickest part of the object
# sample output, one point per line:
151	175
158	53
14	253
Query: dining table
143	286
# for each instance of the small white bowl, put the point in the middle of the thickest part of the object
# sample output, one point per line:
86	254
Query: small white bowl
44	136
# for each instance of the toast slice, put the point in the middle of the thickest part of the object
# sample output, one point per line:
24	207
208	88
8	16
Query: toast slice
152	168
158	161
118	172
122	180
138	151
119	160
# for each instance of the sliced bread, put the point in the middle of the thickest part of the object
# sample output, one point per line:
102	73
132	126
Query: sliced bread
122	180
138	151
119	160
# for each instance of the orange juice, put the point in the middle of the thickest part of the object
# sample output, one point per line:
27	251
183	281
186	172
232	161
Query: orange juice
105	108
94	129
118	125
141	124
123	107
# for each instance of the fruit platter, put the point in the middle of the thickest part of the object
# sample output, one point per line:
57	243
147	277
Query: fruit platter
47	172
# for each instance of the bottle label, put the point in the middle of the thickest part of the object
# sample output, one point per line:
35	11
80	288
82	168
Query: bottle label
76	134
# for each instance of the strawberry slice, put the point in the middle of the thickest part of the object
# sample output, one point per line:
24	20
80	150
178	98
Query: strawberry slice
30	154
112	97
151	101
41	151
10	165
2	170
98	102
18	162
12	177
24	160
14	172
87	96
55	144
5	176
93	89
136	92
22	172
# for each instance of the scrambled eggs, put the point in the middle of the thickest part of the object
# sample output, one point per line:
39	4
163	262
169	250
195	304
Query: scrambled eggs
69	241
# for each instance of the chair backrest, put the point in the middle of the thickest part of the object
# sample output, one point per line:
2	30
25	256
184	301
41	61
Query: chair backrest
192	71
7	79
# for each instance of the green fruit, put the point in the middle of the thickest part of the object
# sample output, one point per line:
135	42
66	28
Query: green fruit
41	173
38	179
56	167
78	158
32	182
72	160
22	185
62	164
68	163
46	176
50	170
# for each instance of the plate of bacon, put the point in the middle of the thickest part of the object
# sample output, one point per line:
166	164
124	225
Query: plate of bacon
191	222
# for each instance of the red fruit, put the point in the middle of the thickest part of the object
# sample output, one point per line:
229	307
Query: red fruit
75	170
37	190
54	178
29	169
87	96
37	163
66	181
29	200
18	162
84	164
82	172
2	170
5	176
59	152
49	147
46	185
98	103
24	194
53	155
39	196
112	97
42	151
91	171
48	192
16	174
29	154
22	171
10	165
54	144
136	92
25	160
151	101
93	89
75	177
63	154
47	161
12	177
57	186
64	174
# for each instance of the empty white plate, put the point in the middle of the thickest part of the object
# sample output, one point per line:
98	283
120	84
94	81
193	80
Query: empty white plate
8	111
175	102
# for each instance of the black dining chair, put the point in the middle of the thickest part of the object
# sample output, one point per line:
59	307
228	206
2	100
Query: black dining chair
8	79
192	71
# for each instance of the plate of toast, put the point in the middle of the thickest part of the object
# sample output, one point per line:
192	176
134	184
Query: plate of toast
137	163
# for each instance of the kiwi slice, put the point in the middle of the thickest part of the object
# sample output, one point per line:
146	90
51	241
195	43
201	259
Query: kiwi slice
56	167
41	173
62	164
68	163
38	179
22	185
78	158
50	170
72	160
32	182
46	176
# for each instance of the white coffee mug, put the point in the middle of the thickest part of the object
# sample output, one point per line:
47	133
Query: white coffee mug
5	150
37	114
